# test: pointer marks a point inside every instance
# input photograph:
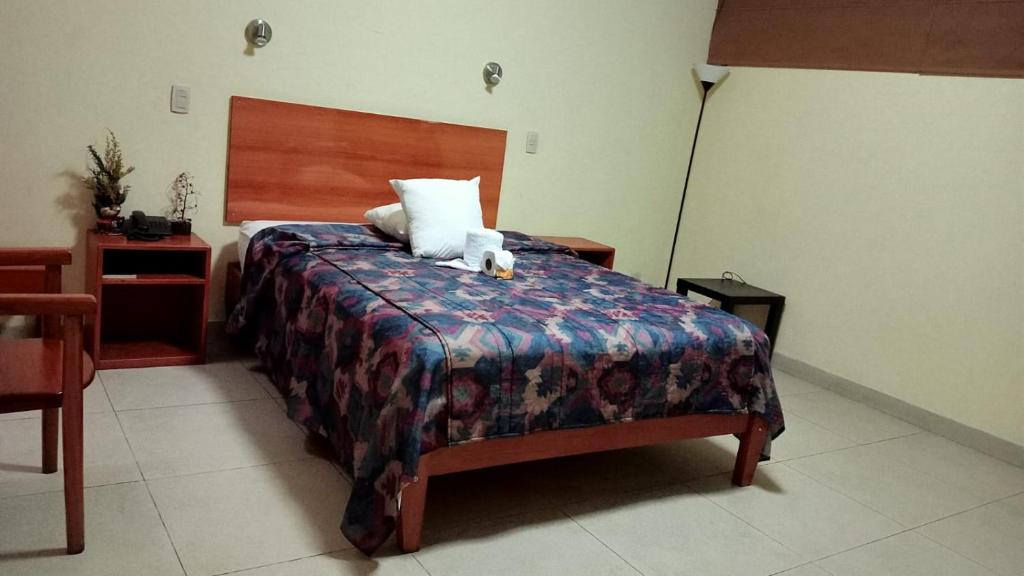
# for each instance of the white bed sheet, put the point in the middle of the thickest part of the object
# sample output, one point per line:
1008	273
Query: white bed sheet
249	228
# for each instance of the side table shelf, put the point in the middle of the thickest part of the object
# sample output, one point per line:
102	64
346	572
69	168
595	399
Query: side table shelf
152	300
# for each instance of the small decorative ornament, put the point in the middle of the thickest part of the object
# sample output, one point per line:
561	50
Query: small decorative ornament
104	181
184	197
110	212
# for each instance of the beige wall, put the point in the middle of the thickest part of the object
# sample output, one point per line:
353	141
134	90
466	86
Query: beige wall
888	209
606	83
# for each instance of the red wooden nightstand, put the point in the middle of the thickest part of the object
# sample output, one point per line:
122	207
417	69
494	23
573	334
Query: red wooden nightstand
152	300
588	250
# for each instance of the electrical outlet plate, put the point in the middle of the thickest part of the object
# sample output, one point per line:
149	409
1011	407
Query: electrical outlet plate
181	98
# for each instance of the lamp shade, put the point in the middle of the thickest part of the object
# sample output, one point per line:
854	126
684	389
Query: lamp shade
710	73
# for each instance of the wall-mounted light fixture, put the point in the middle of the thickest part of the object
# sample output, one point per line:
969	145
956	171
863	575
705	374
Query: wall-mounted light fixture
492	73
258	33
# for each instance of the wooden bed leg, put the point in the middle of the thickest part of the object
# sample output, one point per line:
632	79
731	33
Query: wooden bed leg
410	515
749	453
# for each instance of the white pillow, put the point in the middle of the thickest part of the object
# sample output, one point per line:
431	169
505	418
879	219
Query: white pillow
391	220
439	213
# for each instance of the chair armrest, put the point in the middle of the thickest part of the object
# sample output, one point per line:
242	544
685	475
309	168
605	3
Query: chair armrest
35	256
47	304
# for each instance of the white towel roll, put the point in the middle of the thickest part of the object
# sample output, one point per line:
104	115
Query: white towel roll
498	263
478	241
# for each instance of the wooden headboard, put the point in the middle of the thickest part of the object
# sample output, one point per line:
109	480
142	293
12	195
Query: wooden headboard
296	162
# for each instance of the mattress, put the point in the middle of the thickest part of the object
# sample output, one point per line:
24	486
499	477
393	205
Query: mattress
391	357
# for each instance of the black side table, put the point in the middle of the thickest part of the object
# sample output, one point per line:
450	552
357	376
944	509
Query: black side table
732	293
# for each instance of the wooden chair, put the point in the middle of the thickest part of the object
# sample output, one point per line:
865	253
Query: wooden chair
48	373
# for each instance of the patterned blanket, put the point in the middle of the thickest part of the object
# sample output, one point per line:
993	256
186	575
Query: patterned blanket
391	357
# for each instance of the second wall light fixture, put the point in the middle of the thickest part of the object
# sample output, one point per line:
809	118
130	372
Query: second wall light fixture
492	73
258	33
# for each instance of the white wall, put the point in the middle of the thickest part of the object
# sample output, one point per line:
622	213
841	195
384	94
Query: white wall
605	82
887	208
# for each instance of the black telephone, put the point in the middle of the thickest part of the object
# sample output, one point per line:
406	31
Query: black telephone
150	228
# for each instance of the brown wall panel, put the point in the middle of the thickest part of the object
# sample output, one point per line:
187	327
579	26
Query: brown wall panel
972	37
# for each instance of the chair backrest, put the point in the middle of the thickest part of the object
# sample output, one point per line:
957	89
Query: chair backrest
30	284
34	271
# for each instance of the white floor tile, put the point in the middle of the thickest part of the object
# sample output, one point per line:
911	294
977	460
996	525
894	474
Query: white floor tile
802	514
992	535
238	519
490	493
203	438
123	535
679	532
789	385
906	554
804	438
805	570
94	401
136	388
847	418
8	416
874	477
534	544
967	469
348	563
108	460
691	459
577	478
262	379
282	404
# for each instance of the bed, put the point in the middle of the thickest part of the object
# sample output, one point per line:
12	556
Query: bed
412	371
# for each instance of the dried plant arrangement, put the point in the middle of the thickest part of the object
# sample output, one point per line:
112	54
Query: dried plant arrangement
184	199
104	179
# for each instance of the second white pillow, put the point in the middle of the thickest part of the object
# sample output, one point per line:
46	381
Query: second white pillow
391	220
439	213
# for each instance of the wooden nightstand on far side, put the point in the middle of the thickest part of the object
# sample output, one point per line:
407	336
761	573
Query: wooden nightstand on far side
591	251
152	300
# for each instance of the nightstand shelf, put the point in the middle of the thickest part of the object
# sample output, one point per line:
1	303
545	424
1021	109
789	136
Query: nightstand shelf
130	353
152	300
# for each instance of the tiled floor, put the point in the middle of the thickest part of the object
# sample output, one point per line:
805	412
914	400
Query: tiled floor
196	470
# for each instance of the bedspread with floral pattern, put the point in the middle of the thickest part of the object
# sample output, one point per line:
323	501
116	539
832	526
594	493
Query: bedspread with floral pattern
390	357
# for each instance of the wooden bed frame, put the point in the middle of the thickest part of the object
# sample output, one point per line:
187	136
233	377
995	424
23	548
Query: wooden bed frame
297	162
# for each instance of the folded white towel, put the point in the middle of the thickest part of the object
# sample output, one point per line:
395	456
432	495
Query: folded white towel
458	264
478	241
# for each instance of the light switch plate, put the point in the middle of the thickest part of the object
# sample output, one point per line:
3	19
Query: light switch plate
181	98
531	142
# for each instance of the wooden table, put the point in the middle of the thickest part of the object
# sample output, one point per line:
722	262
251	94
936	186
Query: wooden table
732	293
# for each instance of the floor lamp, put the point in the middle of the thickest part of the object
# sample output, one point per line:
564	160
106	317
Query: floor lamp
709	76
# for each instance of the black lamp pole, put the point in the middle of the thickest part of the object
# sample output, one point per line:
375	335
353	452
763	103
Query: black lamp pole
679	219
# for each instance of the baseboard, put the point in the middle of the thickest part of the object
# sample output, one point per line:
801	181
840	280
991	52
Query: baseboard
924	419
